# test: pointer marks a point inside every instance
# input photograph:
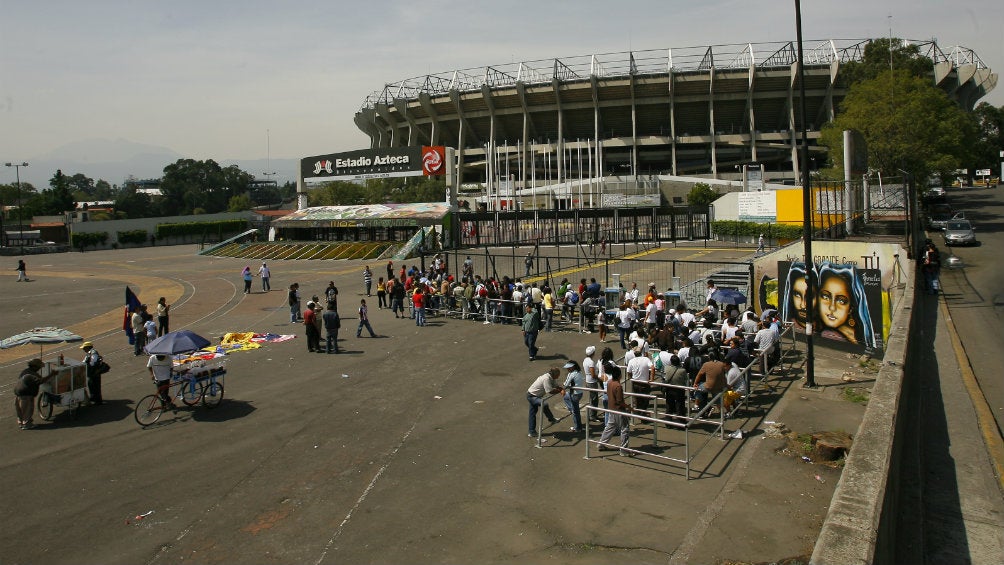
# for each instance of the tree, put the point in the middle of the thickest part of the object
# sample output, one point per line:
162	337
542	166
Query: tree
81	183
701	195
875	61
989	124
134	204
189	185
907	123
239	203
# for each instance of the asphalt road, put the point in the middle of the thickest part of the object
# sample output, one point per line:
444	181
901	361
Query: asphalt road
976	295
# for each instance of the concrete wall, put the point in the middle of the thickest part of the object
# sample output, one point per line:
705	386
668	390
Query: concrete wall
861	523
150	225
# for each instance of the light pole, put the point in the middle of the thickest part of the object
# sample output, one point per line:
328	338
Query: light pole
20	223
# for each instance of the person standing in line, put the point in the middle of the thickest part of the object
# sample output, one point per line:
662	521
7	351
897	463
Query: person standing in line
528	263
617	424
397	299
544	384
310	325
92	362
247	276
139	330
331	324
368	279
592	381
160	367
531	325
21	271
265	275
364	320
25	392
573	380
163	317
381	294
642	373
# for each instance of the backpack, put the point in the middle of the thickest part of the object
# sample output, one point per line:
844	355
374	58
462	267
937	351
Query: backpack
574	298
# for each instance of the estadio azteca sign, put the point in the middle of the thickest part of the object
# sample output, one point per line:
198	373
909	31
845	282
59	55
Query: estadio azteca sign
376	163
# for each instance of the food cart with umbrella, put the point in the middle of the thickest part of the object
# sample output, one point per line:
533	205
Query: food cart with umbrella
67	386
197	380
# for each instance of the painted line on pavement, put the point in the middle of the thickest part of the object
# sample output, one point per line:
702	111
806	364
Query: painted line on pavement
984	416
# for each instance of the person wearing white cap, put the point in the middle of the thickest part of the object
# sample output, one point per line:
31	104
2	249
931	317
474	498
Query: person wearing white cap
92	362
592	382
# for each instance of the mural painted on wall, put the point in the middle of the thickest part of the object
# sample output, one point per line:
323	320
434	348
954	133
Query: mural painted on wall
853	301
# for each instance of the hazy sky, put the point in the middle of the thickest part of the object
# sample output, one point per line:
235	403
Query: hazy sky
208	78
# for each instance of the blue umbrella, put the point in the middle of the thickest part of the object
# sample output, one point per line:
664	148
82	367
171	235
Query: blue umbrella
173	343
728	296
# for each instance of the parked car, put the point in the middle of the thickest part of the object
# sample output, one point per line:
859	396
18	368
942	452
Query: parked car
938	216
960	232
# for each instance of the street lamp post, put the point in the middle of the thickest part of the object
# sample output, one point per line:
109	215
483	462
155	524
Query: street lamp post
20	222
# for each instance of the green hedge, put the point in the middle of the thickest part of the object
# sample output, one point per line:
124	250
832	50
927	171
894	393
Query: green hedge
753	229
82	240
132	236
200	228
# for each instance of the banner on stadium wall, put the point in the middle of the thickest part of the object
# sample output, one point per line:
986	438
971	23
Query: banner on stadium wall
418	160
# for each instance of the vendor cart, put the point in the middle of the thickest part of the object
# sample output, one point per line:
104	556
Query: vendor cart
67	387
201	381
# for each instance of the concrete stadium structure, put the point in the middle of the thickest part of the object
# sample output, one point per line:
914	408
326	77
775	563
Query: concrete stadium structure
681	111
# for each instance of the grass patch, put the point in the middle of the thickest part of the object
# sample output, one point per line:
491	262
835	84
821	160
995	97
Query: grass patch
856	395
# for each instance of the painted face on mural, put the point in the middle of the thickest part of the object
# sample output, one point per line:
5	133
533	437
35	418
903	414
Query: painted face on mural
798	288
834	302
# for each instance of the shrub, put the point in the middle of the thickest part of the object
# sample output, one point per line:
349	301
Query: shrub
132	236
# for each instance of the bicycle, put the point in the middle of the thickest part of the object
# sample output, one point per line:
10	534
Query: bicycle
191	391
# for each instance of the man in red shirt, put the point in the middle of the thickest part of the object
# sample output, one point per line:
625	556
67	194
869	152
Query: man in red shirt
313	333
418	300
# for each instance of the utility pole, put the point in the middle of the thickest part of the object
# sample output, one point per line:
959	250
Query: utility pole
810	271
20	222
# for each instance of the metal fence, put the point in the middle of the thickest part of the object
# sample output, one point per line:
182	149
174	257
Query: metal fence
590	226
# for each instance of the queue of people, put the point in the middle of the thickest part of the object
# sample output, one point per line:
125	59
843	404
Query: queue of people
699	364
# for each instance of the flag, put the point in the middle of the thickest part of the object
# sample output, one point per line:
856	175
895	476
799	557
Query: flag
132	304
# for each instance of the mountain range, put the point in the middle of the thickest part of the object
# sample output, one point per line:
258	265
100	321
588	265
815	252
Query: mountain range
115	160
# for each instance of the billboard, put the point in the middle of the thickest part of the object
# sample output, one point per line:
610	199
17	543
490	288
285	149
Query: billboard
853	297
427	160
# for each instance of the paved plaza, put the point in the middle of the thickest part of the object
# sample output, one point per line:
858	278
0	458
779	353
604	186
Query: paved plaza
409	447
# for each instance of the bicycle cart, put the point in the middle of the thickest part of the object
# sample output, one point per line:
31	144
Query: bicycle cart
191	384
67	388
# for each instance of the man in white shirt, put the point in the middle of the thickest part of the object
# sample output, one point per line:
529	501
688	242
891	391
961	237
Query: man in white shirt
642	372
592	381
544	384
160	367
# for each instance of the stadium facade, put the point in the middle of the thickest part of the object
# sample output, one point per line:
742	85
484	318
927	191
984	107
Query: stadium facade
683	111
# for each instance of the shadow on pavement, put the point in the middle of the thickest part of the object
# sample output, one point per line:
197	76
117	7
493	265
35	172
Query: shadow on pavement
930	525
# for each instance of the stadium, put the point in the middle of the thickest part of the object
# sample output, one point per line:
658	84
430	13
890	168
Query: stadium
680	111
